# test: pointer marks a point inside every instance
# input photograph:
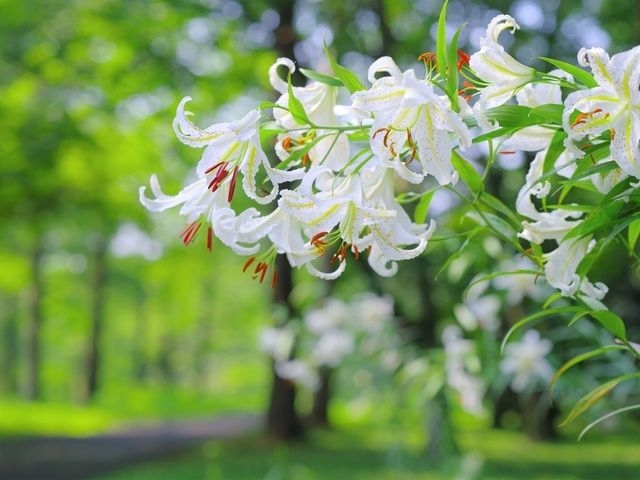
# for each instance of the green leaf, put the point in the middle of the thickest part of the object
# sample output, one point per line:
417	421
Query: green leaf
500	207
606	417
601	218
452	72
612	322
467	172
551	112
441	41
422	208
514	116
595	395
322	78
346	76
556	147
580	75
633	233
534	317
579	359
295	106
498	132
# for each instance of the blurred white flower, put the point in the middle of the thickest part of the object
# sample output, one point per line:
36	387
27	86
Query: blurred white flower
298	372
480	313
525	361
332	347
276	342
372	312
335	313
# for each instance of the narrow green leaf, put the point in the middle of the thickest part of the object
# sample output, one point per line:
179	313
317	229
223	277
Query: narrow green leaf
594	396
612	322
295	106
467	172
633	233
346	76
579	359
495	203
441	41
556	147
580	75
322	78
498	132
452	72
422	208
551	112
606	417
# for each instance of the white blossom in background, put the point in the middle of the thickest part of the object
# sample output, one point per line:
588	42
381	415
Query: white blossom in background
525	361
277	342
519	285
460	363
299	372
479	313
372	311
334	314
331	348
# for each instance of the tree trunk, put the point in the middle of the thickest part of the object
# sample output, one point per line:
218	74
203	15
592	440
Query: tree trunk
98	287
320	409
282	419
35	294
9	350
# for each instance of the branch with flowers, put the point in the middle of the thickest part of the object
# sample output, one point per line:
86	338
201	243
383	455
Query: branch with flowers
356	179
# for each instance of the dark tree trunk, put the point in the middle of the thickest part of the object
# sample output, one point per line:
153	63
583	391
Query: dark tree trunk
98	288
35	294
538	417
282	419
320	409
9	348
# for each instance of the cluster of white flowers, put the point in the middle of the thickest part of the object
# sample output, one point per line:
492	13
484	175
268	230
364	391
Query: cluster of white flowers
327	336
329	190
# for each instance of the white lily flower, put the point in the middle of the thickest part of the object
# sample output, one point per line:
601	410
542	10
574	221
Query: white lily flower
202	206
331	148
411	123
525	361
392	238
232	147
503	73
613	105
562	264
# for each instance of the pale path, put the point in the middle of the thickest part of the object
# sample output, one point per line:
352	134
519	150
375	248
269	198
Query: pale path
74	458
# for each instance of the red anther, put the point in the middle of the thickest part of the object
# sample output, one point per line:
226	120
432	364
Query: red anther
463	59
274	278
507	152
306	159
189	233
260	271
248	263
318	236
287	143
211	169
232	186
356	253
209	238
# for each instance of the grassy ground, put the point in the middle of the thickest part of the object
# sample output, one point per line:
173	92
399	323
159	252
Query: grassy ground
350	454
